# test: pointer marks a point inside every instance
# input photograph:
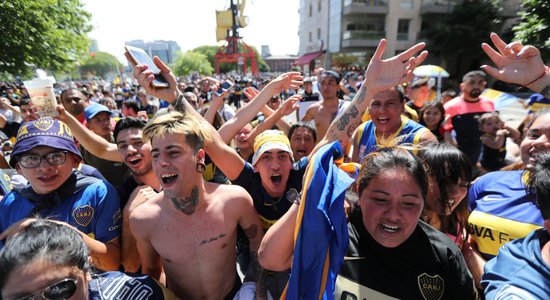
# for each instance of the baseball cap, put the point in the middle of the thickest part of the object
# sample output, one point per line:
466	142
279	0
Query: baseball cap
92	110
269	140
43	132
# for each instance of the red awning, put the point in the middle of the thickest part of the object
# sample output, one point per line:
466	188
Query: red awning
307	58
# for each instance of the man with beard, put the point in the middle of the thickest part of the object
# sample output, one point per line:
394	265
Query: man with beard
463	113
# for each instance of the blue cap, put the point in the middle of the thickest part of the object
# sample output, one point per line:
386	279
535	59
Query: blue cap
92	110
43	132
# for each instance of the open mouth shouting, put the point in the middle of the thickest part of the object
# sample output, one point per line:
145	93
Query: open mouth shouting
133	160
383	120
168	179
276	178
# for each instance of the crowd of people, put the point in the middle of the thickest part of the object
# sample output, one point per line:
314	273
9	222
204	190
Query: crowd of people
199	192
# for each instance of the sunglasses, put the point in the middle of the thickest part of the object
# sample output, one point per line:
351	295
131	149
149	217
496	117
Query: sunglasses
63	289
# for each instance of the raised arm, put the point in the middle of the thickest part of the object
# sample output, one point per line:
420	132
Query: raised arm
285	109
226	158
92	142
248	112
380	75
518	64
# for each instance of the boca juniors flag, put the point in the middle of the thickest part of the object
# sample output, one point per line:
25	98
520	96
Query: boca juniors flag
321	236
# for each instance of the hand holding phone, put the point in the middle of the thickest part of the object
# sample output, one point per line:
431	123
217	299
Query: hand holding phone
139	56
225	86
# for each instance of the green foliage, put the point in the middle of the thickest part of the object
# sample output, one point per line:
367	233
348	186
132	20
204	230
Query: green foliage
210	52
344	60
534	27
50	34
191	62
464	29
100	64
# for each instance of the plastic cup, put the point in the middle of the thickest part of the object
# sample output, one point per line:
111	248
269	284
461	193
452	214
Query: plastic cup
42	97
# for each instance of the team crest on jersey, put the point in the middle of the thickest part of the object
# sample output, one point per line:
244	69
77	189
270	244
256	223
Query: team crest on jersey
431	287
83	215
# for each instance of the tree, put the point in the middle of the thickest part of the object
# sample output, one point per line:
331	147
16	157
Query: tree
191	62
461	33
210	51
50	34
100	64
534	27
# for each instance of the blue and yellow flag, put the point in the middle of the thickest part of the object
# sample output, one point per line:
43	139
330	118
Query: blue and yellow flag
321	236
501	99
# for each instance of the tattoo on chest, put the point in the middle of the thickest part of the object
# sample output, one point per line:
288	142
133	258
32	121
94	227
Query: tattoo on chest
187	205
333	116
210	240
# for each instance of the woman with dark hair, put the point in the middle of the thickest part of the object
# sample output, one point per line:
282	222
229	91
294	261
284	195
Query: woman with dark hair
391	252
449	171
432	116
49	260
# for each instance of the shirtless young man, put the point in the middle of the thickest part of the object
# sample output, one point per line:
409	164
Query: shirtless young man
187	236
325	111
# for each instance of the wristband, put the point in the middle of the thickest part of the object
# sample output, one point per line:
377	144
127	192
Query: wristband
539	77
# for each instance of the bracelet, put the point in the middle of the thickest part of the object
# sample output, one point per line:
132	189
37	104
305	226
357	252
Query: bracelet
539	77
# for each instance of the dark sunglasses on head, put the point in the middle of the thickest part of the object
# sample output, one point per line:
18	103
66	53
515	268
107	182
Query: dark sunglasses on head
63	289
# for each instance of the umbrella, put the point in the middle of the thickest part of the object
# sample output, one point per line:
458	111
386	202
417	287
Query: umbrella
432	71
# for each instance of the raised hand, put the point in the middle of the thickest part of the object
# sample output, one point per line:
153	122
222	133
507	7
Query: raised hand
290	105
514	62
251	93
146	76
383	74
290	80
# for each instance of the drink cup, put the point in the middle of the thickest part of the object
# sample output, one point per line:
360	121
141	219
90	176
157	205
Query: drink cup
42	97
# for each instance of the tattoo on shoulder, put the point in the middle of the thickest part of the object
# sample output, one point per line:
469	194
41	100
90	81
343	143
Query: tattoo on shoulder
348	115
210	240
546	91
187	205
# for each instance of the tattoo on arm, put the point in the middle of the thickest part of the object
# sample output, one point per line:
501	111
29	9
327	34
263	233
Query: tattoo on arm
360	96
180	104
187	205
350	114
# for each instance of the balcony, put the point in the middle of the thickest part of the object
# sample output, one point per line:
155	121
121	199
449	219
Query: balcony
438	6
352	7
361	38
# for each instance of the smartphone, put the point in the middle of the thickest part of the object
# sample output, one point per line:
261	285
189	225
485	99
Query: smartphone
139	56
226	85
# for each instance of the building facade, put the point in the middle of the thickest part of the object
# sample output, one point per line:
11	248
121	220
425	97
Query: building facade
165	50
354	27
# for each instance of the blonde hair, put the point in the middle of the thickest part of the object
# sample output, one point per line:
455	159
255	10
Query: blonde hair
176	123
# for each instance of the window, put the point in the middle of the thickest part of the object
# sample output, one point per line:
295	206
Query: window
319	5
310	10
403	30
406	3
310	39
318	33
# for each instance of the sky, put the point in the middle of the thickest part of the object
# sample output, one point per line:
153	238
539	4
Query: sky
191	23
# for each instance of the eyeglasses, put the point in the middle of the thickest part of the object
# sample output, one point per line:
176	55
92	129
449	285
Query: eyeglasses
34	160
63	289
